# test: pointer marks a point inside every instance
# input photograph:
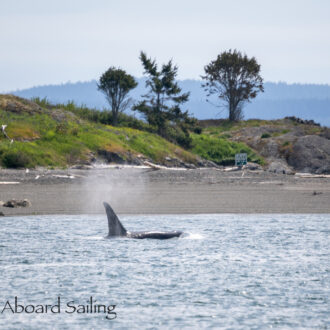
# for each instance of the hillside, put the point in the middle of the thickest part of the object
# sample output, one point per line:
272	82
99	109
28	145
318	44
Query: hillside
59	138
38	135
307	101
288	145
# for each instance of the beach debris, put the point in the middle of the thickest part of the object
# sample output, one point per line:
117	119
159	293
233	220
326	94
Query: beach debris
37	177
154	166
317	193
253	166
161	167
9	182
232	169
1	214
310	175
17	203
64	176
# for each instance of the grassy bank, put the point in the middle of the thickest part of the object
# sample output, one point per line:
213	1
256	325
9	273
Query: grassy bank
63	135
221	150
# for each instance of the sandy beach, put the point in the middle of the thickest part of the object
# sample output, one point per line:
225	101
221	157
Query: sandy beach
147	191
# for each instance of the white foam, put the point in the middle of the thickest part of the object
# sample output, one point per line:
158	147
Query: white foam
192	236
94	237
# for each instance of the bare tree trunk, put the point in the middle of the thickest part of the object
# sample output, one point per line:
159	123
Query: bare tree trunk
232	116
234	111
114	117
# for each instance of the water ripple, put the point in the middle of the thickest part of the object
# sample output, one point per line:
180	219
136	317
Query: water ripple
234	271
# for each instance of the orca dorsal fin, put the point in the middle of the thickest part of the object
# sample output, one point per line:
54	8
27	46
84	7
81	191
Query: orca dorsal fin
115	226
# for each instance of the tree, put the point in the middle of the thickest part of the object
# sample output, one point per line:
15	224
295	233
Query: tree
235	79
163	99
116	84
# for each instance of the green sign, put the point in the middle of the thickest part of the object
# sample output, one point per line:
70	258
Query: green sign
240	159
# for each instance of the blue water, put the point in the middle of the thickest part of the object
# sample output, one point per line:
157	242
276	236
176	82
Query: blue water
233	271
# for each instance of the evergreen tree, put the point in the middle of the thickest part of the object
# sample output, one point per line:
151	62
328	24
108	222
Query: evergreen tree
161	104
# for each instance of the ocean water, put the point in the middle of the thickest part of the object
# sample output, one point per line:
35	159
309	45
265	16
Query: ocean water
230	271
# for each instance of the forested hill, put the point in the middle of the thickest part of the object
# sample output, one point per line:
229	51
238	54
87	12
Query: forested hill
307	101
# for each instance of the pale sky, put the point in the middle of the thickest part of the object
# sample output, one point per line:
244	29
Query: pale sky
52	42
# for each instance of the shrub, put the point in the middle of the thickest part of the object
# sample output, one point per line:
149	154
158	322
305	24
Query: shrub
50	135
15	159
178	135
61	128
43	102
265	136
225	136
197	130
73	155
74	131
286	149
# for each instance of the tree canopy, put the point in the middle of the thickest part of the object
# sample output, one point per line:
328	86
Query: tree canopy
161	104
235	78
116	84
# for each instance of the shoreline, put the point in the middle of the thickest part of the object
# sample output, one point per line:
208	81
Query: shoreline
132	190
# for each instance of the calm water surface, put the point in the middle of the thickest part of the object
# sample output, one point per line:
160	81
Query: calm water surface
232	271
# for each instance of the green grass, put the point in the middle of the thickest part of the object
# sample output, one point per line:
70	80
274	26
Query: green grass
226	127
41	139
94	115
220	150
282	132
43	102
62	135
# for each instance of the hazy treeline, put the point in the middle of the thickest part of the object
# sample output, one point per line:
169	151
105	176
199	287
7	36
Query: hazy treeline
308	101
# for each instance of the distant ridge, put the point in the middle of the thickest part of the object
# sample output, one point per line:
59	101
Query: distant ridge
307	101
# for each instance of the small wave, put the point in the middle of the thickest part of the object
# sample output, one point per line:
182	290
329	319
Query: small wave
25	265
93	238
192	236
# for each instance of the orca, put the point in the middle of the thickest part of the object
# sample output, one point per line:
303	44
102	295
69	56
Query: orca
116	229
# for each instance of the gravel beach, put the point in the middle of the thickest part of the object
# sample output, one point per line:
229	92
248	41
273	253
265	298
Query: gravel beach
166	191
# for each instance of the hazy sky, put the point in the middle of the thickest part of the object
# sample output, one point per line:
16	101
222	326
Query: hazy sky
50	42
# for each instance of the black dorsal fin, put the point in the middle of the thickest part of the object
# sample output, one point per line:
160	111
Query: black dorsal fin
115	226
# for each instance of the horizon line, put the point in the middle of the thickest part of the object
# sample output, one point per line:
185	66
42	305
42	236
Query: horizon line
185	79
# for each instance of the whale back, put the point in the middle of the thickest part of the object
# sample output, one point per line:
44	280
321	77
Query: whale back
115	226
